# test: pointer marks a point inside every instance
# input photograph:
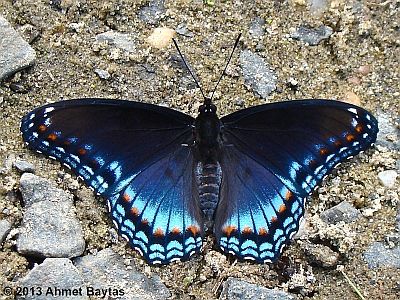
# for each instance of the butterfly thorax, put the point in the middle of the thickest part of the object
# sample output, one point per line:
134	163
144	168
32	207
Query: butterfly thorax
207	134
208	148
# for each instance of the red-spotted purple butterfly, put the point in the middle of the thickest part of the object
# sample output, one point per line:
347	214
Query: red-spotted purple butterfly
168	177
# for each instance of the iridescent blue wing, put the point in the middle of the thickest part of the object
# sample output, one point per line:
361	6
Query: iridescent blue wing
135	155
273	156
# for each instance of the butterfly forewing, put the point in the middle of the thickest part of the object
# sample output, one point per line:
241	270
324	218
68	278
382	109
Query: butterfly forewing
135	155
273	156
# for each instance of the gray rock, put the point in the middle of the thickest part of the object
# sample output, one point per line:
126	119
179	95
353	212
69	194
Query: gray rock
235	289
344	211
256	29
5	228
15	53
49	226
377	255
389	134
257	74
312	36
52	276
108	269
153	12
24	166
103	74
388	178
123	41
36	189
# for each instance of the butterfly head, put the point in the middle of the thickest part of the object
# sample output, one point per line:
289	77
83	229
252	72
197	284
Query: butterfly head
207	107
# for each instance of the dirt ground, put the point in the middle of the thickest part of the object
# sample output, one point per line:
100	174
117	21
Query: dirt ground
360	62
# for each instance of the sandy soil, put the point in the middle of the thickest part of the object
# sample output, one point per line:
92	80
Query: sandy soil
366	35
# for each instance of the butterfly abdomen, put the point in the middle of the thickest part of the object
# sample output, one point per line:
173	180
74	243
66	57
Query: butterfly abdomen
209	181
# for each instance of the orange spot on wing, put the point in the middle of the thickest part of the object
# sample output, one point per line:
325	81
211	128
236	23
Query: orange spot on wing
52	137
323	151
247	230
282	208
81	151
350	137
135	212
176	230
262	231
289	195
359	128
42	128
193	229
145	222
158	232
228	230
274	219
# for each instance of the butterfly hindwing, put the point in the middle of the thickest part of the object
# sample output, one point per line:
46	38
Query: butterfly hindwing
136	156
273	156
257	213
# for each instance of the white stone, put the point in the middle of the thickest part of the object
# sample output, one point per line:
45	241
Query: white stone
388	178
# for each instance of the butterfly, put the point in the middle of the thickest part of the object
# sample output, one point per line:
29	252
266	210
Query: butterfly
169	178
165	174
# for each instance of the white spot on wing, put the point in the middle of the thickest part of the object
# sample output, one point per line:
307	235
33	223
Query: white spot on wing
48	109
352	110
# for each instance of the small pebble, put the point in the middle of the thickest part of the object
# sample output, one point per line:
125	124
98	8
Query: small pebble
257	74
344	211
235	289
364	70
318	6
256	29
5	228
312	36
161	37
352	98
153	12
377	255
123	41
388	178
182	29
388	135
24	166
321	256
15	53
103	74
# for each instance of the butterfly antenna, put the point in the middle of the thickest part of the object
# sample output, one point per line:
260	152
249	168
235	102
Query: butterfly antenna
226	66
190	71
